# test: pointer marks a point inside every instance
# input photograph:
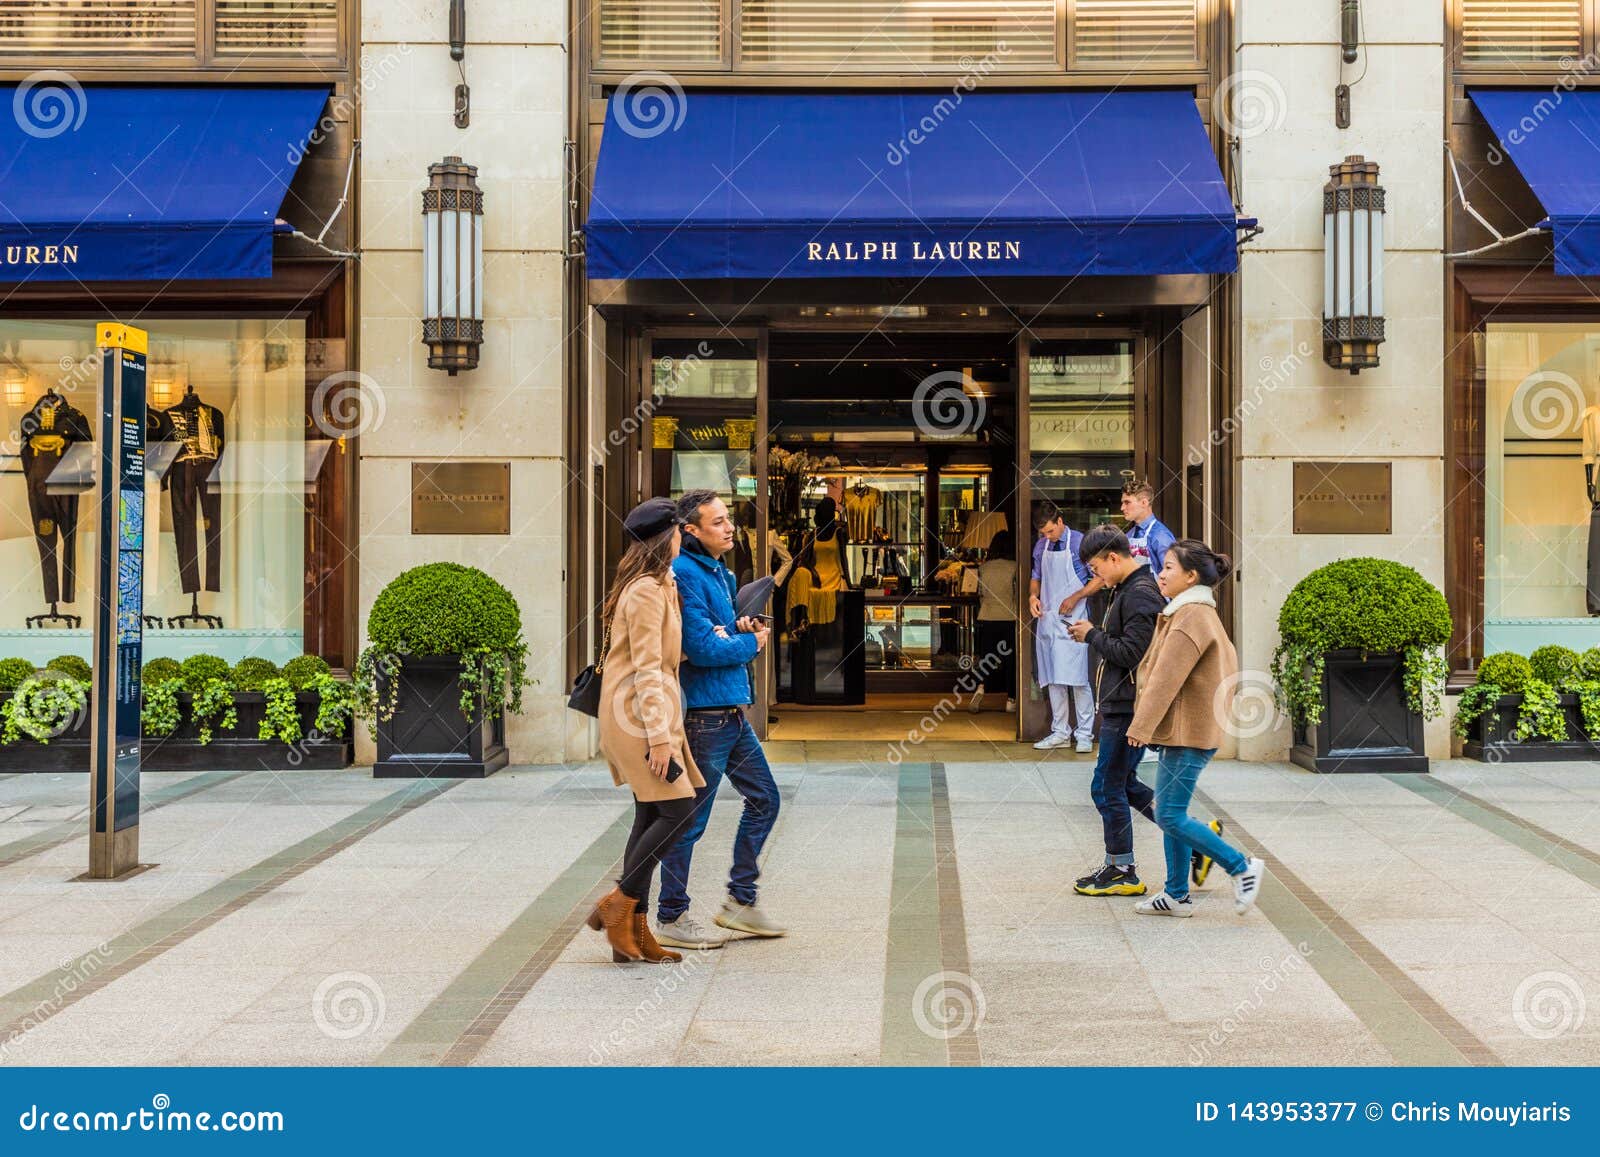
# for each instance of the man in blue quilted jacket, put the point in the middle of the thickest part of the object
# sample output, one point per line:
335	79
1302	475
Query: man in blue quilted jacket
715	673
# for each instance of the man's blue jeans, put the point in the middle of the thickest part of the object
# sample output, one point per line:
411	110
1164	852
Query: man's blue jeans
723	744
1117	790
1176	777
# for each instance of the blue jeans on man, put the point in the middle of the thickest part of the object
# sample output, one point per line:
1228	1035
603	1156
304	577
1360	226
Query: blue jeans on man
1176	777
1117	790
723	744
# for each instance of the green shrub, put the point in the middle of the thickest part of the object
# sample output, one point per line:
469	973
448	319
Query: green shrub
1554	664
71	665
160	670
1365	604
1589	663
252	673
12	673
303	670
198	670
1506	670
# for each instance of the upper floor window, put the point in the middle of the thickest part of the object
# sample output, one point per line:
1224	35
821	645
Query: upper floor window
906	36
1511	35
174	33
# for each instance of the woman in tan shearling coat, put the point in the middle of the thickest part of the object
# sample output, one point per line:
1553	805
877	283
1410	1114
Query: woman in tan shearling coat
641	722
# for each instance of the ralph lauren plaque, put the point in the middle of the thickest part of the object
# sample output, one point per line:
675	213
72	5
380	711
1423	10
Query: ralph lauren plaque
1343	497
461	498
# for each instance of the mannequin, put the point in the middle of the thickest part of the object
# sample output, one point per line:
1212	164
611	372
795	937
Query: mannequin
200	428
1591	452
48	429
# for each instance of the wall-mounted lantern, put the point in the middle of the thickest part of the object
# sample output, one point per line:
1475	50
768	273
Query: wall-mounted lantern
1352	280
452	266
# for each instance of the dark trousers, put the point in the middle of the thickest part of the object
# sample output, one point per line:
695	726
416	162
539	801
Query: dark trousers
997	656
656	826
723	744
55	529
1117	790
187	481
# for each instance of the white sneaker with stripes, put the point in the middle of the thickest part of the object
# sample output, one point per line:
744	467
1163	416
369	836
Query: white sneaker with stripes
1162	904
1247	885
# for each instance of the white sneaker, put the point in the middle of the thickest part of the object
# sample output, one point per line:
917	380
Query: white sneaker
687	932
1011	706
747	918
1247	884
1085	745
1052	741
1162	904
975	704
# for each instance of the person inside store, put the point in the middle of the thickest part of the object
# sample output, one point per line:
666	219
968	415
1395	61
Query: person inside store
1184	700
1058	595
718	647
997	623
641	722
822	569
1147	534
1119	643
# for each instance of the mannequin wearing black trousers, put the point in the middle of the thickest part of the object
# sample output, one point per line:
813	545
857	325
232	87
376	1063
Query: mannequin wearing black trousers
199	427
47	430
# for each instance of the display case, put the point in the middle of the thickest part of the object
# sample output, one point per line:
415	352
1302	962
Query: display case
920	633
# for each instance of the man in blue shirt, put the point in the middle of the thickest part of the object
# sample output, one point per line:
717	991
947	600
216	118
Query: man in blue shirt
1147	535
715	675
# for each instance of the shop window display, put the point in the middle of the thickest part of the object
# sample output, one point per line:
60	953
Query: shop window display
230	465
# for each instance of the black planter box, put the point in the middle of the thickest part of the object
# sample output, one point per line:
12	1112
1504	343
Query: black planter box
1494	740
231	749
428	736
1366	724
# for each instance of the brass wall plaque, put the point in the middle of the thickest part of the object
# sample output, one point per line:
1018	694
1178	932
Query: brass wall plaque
461	498
1343	497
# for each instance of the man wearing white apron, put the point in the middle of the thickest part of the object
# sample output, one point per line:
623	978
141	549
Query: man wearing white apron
1061	663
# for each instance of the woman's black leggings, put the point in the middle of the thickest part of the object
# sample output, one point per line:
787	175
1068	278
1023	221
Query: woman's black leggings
657	824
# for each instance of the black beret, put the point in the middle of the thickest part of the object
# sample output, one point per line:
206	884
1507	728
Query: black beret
651	517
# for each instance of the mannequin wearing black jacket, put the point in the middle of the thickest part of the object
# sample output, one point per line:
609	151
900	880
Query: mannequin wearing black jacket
199	427
47	430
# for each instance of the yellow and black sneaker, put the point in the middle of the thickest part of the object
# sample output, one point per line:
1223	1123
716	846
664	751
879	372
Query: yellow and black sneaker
1199	862
1111	880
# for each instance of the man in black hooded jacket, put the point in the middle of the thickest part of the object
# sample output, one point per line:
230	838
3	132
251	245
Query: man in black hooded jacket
1118	643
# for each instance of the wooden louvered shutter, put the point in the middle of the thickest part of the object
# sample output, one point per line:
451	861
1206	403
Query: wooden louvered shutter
300	28
1521	31
91	28
1135	34
898	32
639	31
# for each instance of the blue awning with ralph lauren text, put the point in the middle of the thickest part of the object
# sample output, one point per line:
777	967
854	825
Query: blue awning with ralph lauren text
1552	135
895	184
142	183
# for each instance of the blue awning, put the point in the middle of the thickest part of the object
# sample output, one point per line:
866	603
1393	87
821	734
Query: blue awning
1553	137
111	183
885	184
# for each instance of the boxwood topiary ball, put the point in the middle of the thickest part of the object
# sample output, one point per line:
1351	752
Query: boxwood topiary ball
160	670
199	668
1554	663
1507	670
304	668
443	608
1368	604
72	665
1589	663
12	673
251	672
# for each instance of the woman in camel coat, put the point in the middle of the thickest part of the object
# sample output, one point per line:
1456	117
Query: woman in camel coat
641	722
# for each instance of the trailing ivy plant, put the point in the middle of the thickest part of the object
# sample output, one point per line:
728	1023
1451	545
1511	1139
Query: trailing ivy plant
44	707
1371	605
158	714
1541	716
281	719
1588	693
213	709
336	701
443	608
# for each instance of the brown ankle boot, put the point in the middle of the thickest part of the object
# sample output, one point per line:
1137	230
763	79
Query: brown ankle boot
614	916
649	945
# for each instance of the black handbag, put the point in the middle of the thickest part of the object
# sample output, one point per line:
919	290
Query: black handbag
585	695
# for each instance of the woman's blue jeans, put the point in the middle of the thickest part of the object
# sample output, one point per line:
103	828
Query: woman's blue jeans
1176	777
